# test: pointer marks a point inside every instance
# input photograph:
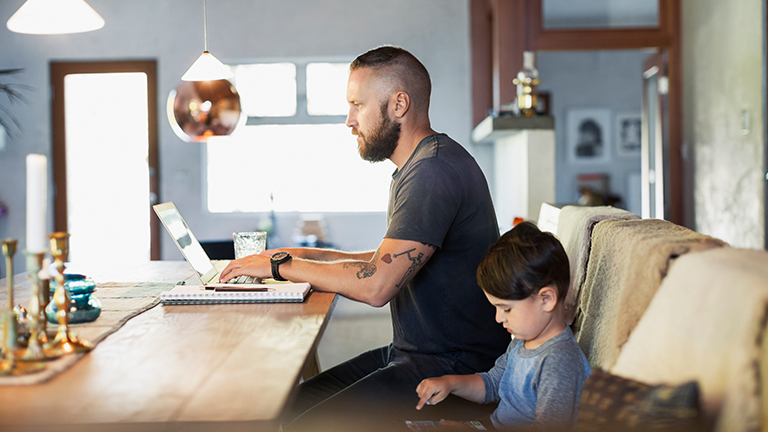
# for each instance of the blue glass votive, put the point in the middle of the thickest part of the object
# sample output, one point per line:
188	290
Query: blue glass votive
83	307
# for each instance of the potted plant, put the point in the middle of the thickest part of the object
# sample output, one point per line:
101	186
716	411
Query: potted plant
11	91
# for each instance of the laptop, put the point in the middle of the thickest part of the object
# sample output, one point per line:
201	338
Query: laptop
191	249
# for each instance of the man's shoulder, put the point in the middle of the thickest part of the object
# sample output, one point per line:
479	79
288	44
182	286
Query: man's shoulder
439	146
441	153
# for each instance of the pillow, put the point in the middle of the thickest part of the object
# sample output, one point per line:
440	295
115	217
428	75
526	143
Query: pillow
612	403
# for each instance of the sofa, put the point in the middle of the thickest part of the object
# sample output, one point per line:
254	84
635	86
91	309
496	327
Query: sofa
673	323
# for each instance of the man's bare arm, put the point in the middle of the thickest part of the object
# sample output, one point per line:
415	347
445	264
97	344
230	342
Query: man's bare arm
317	254
374	281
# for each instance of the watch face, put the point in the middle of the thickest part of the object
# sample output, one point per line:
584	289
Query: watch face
279	256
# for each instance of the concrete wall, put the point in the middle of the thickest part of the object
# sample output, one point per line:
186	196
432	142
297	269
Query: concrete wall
722	45
171	32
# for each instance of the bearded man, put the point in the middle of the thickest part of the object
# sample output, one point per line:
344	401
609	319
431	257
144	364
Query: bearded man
441	222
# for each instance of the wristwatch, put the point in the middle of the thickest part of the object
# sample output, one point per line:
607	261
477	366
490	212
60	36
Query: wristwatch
276	260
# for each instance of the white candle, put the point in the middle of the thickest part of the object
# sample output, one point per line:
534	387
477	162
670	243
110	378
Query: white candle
37	203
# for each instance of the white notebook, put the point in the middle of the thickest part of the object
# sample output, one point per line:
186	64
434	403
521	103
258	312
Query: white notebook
247	293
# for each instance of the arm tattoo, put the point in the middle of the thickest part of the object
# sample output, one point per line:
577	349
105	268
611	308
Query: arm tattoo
408	252
387	258
429	245
367	269
417	261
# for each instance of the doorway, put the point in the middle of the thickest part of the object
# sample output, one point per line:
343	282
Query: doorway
502	31
105	162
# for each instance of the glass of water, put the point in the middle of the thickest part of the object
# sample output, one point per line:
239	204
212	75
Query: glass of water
249	243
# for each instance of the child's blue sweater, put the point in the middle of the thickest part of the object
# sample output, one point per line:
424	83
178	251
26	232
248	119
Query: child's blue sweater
540	386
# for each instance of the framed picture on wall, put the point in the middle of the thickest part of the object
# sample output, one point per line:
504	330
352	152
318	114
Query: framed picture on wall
628	133
588	134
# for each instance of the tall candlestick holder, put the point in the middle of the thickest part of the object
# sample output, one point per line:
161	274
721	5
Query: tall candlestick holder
36	314
9	323
9	250
45	297
9	365
64	342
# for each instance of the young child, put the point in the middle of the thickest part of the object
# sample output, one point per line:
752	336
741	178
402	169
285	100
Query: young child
538	381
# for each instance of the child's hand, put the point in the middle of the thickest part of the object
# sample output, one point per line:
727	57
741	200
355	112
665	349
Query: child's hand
432	391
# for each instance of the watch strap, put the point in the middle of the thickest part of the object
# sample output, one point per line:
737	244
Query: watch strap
276	272
275	264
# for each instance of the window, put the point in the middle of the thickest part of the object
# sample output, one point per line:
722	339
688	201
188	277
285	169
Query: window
267	90
326	89
294	153
568	14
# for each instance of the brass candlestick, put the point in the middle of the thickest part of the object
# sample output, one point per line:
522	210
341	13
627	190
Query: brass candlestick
34	350
45	298
9	365
64	342
9	250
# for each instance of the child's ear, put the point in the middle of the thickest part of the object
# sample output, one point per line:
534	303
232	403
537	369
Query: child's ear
548	296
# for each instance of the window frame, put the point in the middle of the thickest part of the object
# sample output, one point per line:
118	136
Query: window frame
301	116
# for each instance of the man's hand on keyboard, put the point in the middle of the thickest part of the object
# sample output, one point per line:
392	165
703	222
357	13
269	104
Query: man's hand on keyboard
245	279
252	265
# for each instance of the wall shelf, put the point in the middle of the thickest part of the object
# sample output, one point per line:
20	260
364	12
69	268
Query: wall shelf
493	128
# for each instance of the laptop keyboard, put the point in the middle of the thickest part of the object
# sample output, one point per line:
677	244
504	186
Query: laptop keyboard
244	279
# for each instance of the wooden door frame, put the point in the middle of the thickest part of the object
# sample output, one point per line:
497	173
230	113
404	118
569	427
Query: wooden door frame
58	70
517	25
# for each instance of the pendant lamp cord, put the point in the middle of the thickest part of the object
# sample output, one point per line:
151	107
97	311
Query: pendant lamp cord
205	24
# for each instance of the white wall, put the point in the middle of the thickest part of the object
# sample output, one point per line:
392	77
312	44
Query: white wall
170	31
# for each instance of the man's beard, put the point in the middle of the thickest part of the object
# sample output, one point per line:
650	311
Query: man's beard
382	141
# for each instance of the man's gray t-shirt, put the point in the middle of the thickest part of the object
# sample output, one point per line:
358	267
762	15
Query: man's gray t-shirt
538	387
440	197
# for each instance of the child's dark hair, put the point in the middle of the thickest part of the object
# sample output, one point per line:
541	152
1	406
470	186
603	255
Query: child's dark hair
523	261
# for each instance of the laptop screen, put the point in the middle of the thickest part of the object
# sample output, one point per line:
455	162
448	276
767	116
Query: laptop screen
185	240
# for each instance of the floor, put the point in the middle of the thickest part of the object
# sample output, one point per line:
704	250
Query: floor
353	329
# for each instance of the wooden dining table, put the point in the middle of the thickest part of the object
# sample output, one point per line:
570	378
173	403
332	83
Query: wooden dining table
225	367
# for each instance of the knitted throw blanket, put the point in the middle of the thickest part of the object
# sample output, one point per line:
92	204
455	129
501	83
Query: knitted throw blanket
627	262
574	229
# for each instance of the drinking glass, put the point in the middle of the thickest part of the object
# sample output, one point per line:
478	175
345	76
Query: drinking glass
249	243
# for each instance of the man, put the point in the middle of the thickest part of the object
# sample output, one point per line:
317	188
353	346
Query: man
440	224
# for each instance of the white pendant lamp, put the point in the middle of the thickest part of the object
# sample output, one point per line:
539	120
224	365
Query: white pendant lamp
207	67
46	17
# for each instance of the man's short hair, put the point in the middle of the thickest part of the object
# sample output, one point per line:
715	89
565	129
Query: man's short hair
523	261
403	68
